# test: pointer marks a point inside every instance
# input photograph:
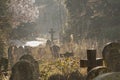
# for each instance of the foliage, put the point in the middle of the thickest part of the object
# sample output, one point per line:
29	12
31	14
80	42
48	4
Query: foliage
52	15
23	10
5	25
23	30
12	13
92	18
63	66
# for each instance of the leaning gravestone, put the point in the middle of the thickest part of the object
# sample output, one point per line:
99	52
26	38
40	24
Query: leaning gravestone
30	59
22	70
111	55
96	72
109	76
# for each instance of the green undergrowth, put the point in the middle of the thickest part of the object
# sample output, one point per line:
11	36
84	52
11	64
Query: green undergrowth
63	66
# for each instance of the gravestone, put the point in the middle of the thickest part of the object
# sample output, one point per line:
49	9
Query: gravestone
15	54
22	70
96	72
91	61
109	76
109	46
48	43
111	55
55	51
11	55
21	51
57	77
30	59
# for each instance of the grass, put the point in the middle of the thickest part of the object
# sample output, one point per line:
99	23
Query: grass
62	66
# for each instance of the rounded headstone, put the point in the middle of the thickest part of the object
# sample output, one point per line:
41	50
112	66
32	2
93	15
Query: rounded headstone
109	76
111	55
28	58
109	46
35	63
22	70
96	72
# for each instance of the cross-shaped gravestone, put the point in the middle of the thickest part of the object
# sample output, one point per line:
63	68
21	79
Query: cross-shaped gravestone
91	61
52	33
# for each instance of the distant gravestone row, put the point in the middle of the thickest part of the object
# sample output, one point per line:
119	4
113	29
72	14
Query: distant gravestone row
14	53
55	50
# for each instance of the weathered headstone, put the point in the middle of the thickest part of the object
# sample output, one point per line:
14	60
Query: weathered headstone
30	59
21	51
91	61
111	55
55	50
11	55
109	46
57	77
22	70
109	76
15	54
96	72
48	43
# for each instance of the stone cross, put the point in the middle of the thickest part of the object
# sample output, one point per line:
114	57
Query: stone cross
52	33
91	61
